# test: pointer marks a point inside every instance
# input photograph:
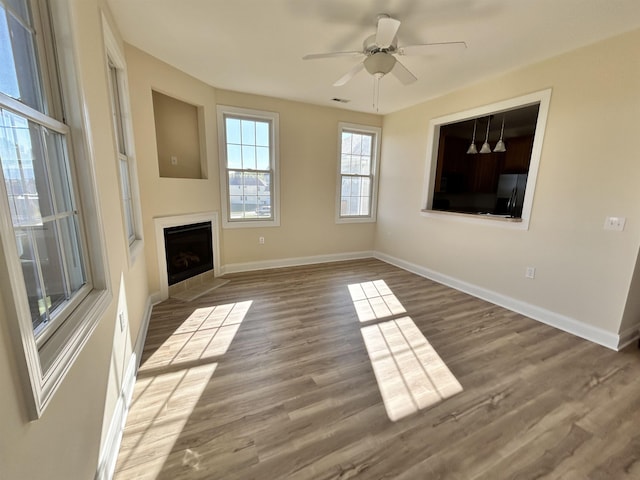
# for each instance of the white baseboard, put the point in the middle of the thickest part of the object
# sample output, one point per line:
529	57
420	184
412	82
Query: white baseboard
293	262
629	336
567	324
109	455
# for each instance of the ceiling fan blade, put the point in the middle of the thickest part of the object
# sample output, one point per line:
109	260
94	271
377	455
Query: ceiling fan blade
349	75
387	29
401	73
313	56
430	48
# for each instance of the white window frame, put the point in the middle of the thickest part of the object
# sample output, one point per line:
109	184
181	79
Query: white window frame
224	111
375	162
115	56
543	98
43	366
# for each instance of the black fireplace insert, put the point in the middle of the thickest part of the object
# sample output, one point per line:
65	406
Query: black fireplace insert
189	251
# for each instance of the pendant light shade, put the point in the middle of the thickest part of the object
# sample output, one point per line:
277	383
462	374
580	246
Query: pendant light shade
500	146
485	146
472	148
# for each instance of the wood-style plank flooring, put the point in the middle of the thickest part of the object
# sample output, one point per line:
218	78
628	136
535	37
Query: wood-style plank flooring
268	377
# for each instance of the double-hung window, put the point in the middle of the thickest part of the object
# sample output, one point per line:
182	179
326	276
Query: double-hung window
359	149
248	166
50	278
124	142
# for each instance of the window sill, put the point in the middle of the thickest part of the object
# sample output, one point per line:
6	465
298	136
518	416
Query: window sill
478	219
341	220
251	223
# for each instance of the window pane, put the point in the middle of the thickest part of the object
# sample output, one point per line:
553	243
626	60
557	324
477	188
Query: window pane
8	78
127	202
116	105
234	156
233	131
365	165
356	144
48	248
346	186
60	175
262	158
25	244
20	63
366	145
262	134
72	252
366	187
248	157
236	206
248	132
26	177
346	142
355	165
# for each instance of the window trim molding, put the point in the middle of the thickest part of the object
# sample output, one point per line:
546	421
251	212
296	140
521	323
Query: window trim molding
114	53
375	160
42	370
274	118
543	97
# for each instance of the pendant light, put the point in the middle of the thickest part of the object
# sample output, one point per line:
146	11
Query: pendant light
485	146
472	148
500	146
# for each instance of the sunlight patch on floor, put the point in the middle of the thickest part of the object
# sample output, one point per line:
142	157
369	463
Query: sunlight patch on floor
374	301
410	374
158	417
207	332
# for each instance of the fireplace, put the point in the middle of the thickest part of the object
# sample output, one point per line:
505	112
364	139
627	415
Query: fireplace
189	251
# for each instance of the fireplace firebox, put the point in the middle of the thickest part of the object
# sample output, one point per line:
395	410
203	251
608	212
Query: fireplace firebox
189	251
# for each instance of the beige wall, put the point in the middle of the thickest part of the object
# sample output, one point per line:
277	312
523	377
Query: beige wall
308	163
64	443
308	169
177	135
588	170
168	196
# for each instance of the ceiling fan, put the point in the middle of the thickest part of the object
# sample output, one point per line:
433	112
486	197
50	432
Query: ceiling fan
380	50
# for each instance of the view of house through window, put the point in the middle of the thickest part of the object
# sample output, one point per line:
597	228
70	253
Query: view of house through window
358	160
249	161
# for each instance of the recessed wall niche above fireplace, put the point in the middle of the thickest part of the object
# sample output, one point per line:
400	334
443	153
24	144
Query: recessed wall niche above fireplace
188	251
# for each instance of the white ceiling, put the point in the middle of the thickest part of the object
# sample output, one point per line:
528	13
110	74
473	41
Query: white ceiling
256	46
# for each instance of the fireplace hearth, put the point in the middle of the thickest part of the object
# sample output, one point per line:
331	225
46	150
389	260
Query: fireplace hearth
189	251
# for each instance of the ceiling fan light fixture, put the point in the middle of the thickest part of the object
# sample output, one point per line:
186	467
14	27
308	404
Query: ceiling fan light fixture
379	63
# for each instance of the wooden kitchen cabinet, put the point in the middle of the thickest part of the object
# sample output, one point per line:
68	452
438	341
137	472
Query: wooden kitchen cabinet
518	154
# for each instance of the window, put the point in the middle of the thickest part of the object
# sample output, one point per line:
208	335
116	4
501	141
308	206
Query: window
54	279
483	163
124	143
357	173
248	166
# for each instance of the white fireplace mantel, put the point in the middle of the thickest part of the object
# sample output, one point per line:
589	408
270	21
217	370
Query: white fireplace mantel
175	221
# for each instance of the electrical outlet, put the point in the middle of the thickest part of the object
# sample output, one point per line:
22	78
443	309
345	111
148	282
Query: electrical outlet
174	160
615	223
261	240
530	272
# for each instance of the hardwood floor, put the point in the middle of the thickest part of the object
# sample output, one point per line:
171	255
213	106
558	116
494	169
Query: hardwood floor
268	377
